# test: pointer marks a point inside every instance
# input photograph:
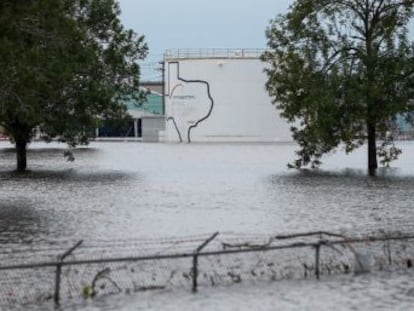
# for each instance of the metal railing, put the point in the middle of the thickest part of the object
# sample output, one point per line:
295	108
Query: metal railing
212	53
80	273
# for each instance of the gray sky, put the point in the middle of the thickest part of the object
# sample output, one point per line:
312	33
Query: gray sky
198	24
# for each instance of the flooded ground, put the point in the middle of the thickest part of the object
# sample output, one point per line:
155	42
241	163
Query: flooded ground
132	190
385	291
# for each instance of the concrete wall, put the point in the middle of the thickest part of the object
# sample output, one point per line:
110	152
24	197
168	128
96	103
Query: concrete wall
220	99
152	128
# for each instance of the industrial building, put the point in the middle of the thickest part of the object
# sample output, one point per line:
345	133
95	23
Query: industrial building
207	95
219	95
147	120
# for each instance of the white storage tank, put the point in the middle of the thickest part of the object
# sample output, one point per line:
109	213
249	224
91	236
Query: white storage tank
219	96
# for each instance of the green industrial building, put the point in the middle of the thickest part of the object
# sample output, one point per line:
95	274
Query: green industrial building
147	119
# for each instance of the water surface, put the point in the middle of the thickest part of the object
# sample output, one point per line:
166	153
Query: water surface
129	190
116	191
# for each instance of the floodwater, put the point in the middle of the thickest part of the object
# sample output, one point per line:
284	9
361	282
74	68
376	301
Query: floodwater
132	190
383	291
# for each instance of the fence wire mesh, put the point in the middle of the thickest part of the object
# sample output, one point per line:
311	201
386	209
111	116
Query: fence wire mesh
100	268
26	286
99	279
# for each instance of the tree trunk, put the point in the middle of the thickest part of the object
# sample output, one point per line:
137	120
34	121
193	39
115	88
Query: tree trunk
21	155
372	150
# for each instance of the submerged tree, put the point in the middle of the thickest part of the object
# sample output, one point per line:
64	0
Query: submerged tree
341	71
64	65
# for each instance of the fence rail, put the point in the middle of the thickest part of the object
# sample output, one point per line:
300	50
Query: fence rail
212	53
83	271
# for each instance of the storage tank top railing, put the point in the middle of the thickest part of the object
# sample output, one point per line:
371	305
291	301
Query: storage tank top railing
212	53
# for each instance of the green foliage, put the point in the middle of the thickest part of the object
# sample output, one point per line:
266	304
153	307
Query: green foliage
340	71
388	152
88	292
65	65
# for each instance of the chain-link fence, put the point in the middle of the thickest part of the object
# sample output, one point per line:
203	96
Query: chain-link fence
87	270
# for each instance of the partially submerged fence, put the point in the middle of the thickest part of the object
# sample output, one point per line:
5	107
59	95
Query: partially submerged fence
85	271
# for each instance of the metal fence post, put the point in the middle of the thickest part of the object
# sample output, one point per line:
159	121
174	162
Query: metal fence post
317	259
56	296
59	264
195	272
389	252
195	260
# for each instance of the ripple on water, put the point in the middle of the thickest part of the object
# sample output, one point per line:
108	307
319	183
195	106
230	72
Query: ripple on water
113	190
122	190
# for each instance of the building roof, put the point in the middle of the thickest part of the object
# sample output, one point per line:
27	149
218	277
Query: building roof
152	106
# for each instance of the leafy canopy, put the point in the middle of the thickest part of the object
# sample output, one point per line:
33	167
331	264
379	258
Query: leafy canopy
340	71
65	64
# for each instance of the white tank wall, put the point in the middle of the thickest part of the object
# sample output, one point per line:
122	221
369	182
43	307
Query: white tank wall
242	110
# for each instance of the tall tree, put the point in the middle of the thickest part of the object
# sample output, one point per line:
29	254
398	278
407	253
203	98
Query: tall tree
64	64
341	71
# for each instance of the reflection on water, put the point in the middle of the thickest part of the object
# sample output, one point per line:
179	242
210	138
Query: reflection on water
118	190
346	200
55	199
19	222
129	190
64	176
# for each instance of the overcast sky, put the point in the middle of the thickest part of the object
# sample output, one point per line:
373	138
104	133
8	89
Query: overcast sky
174	24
